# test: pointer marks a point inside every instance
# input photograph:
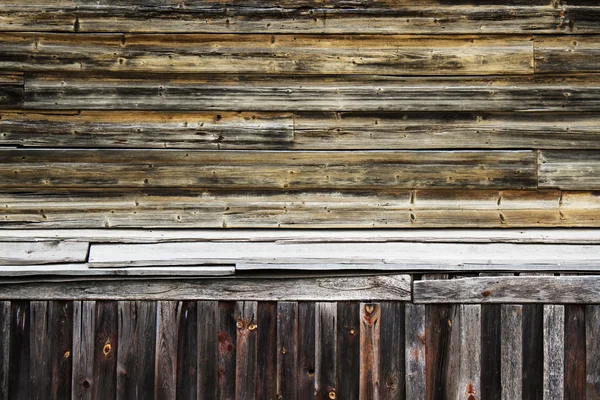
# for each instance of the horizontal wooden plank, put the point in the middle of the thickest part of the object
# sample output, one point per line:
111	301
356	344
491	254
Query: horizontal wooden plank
385	256
383	130
381	287
267	54
200	130
84	270
518	289
567	54
395	209
309	93
23	253
569	169
265	170
11	91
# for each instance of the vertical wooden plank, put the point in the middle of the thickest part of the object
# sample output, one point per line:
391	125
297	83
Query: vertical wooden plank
165	359
20	374
4	348
575	352
226	351
325	350
208	346
306	350
83	349
104	385
61	325
491	381
39	353
370	339
246	343
554	352
287	349
533	351
392	357
469	382
592	344
136	352
348	350
511	351
266	359
415	351
187	351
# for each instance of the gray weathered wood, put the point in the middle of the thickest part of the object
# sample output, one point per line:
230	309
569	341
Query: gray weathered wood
287	350
325	350
4	348
592	348
382	287
208	337
165	367
83	350
415	351
246	350
469	379
15	253
554	352
11	92
83	270
518	289
511	368
566	54
569	169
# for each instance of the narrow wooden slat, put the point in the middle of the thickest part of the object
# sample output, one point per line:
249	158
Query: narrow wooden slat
415	339
187	351
243	170
511	342
592	348
209	348
437	336
306	350
83	349
287	350
136	351
350	356
5	347
234	93
392	351
83	270
491	351
575	352
566	54
246	314
325	350
42	253
106	344
521	289
533	352
370	349
569	169
20	371
554	352
200	130
165	358
226	351
469	380
266	359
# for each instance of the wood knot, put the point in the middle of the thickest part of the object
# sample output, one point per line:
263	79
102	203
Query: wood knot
332	395
107	348
486	293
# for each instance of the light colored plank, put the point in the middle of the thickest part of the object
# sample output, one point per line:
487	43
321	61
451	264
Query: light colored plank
84	331
592	348
15	253
518	289
511	351
165	367
469	373
415	351
83	270
356	288
277	170
554	352
569	169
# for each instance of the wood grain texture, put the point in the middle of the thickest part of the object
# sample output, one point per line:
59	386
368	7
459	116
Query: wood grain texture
266	170
5	333
392	350
370	348
187	351
554	351
287	350
42	253
306	350
304	93
415	352
592	346
20	350
209	345
491	352
325	351
11	92
226	351
575	352
165	359
246	350
573	54
469	379
569	169
511	351
533	352
350	356
106	344
84	313
266	359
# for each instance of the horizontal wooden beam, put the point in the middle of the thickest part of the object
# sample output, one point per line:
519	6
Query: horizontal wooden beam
11	91
574	54
519	289
367	288
569	169
83	270
23	253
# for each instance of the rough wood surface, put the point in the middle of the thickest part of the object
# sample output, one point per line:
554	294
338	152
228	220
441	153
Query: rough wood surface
415	340
209	336
575	54
370	347
226	351
165	359
533	352
325	351
15	253
20	350
306	350
287	350
491	352
5	346
246	350
83	350
83	271
349	355
266	359
469	374
569	169
592	346
511	352
554	352
575	352
187	351
11	92
106	344
392	349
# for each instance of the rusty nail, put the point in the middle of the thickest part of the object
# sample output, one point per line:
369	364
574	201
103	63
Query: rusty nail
67	354
332	394
352	331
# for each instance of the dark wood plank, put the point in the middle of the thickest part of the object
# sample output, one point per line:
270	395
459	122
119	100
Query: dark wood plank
349	350
187	351
437	336
165	371
370	351
574	54
287	350
226	351
83	349
569	169
11	92
533	351
5	334
415	339
246	315
306	351
136	352
20	372
491	341
575	352
469	379
392	370
210	348
266	359
80	169
106	344
592	347
325	351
